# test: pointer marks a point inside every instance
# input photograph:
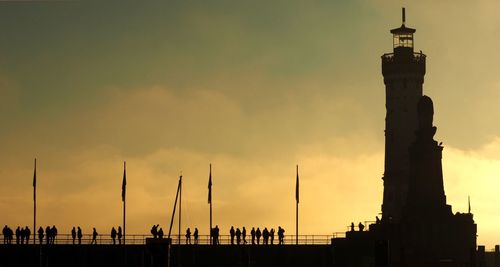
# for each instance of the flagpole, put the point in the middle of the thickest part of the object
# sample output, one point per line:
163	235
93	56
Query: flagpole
210	201
297	208
124	197
34	205
180	206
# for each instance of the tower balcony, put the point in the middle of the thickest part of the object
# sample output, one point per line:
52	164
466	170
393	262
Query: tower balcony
403	63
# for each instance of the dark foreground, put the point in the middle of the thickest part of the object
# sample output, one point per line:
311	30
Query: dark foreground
157	254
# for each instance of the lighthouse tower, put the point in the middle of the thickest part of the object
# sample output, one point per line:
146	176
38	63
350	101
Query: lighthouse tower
403	71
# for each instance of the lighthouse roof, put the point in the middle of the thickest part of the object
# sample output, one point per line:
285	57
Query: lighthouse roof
402	30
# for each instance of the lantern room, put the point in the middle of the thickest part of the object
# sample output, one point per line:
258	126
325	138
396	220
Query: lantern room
403	37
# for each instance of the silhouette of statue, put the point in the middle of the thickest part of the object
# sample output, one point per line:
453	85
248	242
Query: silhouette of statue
40	234
18	235
73	234
94	237
195	235
232	233
238	236
352	227
54	234
188	236
80	235
113	235
244	235
119	235
258	235
361	227
160	233
252	232
27	234
265	236
271	235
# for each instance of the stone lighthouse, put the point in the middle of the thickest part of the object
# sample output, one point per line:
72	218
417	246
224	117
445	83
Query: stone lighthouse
403	71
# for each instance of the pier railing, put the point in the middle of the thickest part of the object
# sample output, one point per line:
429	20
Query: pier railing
140	239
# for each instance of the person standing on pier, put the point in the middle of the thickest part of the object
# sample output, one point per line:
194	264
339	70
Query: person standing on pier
160	233
258	235
27	234
244	235
73	234
80	235
113	235
188	236
232	233
40	234
238	236
271	235
195	235
253	235
119	235
94	237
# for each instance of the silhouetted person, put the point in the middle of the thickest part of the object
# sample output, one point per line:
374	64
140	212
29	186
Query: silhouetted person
5	234
361	227
27	234
244	235
252	232
281	235
73	234
48	235
238	236
119	235
232	233
23	235
265	236
54	234
215	235
40	234
113	235
154	231
18	235
195	235
271	234
188	236
80	235
10	235
94	237
352	227
160	233
258	234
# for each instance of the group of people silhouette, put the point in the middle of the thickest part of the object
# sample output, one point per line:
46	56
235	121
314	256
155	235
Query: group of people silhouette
241	235
195	235
22	235
50	234
116	234
157	233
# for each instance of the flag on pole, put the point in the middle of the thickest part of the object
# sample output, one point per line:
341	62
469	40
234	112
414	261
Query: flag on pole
124	182
297	186
210	185
34	181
